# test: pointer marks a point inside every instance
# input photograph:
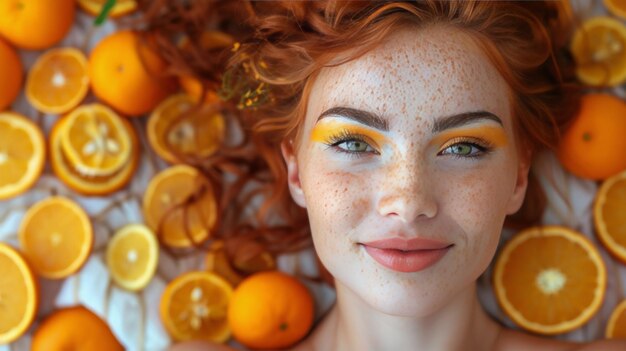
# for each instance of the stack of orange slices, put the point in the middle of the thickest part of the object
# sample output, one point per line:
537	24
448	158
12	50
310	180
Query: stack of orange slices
93	150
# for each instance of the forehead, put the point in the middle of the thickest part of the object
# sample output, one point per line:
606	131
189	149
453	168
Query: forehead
418	73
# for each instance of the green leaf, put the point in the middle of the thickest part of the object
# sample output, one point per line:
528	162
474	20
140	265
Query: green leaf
104	13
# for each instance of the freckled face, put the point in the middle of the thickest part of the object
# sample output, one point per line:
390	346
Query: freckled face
418	173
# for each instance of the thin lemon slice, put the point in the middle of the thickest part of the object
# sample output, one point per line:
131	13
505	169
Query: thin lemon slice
195	306
180	206
56	236
608	211
95	140
549	280
132	256
599	48
179	126
58	81
22	154
122	7
18	295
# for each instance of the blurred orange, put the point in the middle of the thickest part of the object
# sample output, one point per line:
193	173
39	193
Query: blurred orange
36	24
593	146
616	327
58	81
128	75
19	295
74	328
270	310
11	74
57	236
194	306
82	176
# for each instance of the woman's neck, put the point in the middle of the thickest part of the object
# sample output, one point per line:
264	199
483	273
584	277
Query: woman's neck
353	325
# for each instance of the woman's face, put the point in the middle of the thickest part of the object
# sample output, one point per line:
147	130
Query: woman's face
407	167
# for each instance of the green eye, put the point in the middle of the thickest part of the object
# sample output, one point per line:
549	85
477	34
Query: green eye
461	149
355	146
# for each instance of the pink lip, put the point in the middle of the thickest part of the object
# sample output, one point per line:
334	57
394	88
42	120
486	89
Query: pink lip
407	255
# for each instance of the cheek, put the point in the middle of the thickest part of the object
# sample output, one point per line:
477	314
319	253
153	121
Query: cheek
335	200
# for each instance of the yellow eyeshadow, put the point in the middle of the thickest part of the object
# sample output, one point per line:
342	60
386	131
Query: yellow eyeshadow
325	130
494	135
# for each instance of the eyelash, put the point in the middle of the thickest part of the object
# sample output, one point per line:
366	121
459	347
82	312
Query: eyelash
346	136
483	146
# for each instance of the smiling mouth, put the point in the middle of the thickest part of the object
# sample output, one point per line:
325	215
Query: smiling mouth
406	261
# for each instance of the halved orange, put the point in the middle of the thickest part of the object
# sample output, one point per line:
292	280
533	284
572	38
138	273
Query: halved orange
180	206
19	295
121	7
608	211
599	49
90	184
22	154
179	126
550	279
95	141
58	81
616	326
56	236
195	306
617	7
74	328
132	256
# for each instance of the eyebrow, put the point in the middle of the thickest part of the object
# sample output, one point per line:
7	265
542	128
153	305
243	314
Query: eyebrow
463	119
375	121
364	117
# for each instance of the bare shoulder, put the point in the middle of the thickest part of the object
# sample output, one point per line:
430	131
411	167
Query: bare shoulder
511	340
200	346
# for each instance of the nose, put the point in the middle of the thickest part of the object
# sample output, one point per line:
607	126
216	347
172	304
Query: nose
405	192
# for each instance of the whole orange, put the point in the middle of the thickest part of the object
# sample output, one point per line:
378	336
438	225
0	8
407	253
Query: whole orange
593	146
36	24
10	74
128	75
270	310
74	328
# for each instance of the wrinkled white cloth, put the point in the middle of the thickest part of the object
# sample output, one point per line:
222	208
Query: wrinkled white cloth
133	317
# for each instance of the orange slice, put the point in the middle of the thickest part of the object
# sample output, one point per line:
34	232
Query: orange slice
608	212
178	126
74	328
549	280
121	7
195	306
617	7
58	81
616	327
18	295
599	49
22	154
82	182
56	236
179	205
96	141
132	256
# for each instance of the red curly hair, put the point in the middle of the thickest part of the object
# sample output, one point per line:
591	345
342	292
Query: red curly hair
285	44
